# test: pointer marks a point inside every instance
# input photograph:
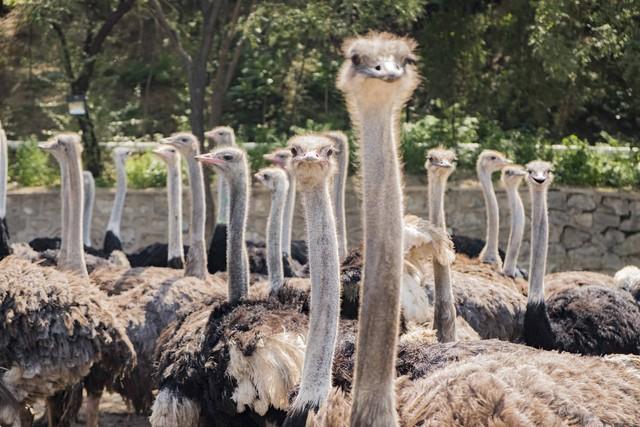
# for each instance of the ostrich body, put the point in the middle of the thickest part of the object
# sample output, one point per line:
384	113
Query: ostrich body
587	320
492	309
521	387
112	237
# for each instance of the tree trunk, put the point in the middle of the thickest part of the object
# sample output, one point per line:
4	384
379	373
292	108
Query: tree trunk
91	154
197	86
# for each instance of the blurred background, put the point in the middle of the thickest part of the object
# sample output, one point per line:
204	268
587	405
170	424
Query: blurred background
520	76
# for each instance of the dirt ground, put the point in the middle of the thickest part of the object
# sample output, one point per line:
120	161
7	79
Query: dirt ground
113	413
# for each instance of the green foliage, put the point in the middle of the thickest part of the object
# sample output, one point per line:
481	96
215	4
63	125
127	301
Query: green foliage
146	170
31	166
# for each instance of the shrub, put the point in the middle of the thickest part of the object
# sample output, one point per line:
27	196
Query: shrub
145	170
32	166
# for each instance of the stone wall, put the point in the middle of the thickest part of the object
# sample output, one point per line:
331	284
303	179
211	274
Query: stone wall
589	229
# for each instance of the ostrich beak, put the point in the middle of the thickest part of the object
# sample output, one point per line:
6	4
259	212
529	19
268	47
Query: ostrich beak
311	156
209	159
47	145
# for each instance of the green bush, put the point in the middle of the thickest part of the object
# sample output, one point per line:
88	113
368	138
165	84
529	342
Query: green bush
31	166
146	170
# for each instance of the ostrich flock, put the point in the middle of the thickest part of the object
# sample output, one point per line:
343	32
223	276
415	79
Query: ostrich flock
413	327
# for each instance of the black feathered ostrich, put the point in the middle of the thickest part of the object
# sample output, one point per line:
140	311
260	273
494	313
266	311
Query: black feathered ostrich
588	319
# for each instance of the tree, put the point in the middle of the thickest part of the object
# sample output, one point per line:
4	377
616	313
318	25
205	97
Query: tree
90	23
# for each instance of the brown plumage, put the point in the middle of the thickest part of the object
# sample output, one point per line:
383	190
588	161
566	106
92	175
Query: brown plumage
524	388
147	300
54	327
475	267
556	282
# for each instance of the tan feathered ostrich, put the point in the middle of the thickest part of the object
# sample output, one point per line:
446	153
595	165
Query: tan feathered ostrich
75	328
487	300
470	393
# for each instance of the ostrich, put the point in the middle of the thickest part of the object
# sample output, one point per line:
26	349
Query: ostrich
5	246
221	136
341	144
489	303
511	178
112	239
377	79
587	320
489	162
276	181
90	335
89	200
297	249
169	254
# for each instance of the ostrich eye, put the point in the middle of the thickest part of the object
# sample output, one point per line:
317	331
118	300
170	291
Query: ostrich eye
329	152
409	60
355	59
429	158
227	157
266	177
493	158
294	151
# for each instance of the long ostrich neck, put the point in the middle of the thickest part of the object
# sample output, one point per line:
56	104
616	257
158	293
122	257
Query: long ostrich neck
75	260
516	232
379	316
490	250
324	265
174	197
539	244
237	258
339	186
274	237
196	257
63	254
444	311
223	201
287	223
118	203
89	197
4	164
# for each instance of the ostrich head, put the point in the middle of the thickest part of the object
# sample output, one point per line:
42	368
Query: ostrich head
168	154
185	142
120	155
441	162
378	65
61	144
221	136
539	175
272	178
312	161
512	176
229	161
491	161
280	157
